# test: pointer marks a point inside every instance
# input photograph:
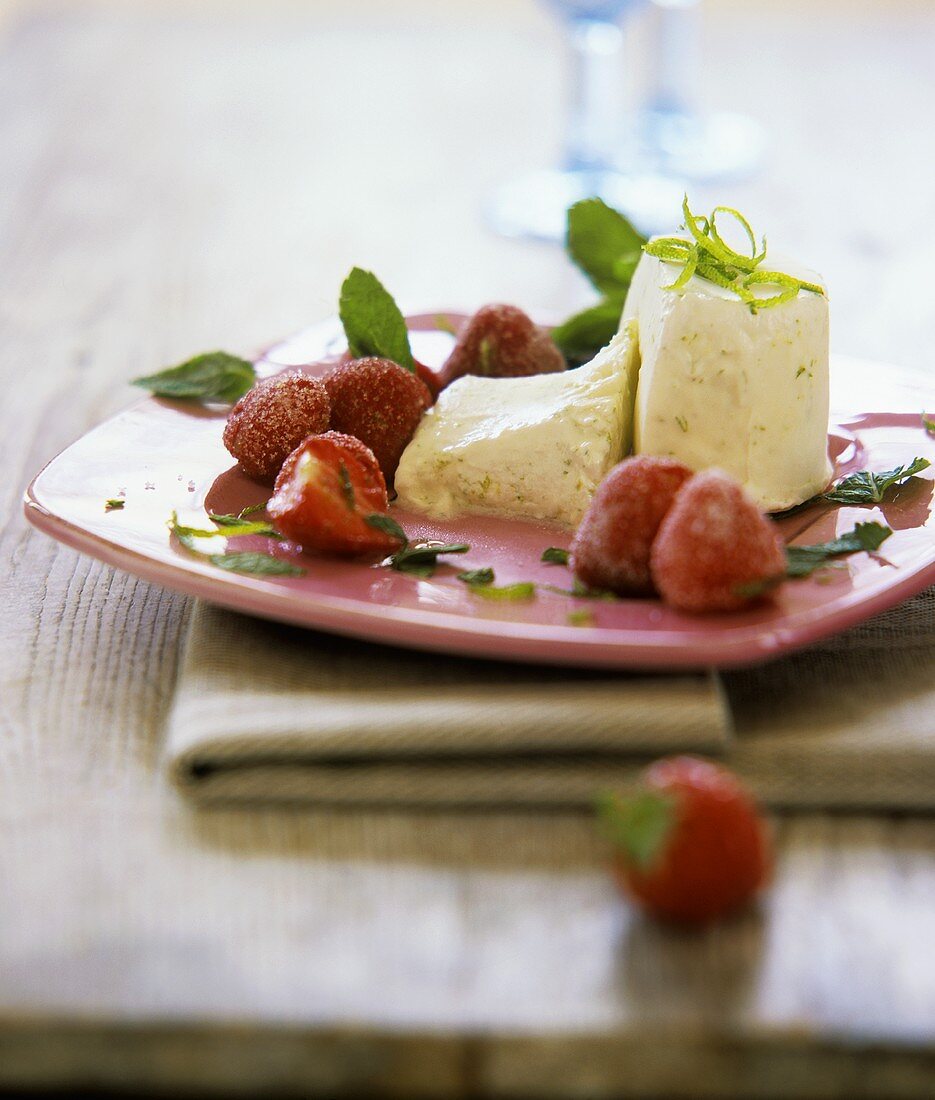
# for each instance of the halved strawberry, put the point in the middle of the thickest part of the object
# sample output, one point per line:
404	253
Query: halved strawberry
327	488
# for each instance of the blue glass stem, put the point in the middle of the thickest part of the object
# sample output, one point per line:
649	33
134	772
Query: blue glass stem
594	123
675	48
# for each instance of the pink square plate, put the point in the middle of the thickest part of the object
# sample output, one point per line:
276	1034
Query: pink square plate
163	456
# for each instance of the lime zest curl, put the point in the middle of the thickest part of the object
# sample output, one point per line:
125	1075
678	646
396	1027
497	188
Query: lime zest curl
710	257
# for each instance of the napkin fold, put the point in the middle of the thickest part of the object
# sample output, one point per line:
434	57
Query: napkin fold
271	713
264	711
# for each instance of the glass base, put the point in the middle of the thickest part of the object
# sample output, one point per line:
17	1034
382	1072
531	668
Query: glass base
535	205
702	149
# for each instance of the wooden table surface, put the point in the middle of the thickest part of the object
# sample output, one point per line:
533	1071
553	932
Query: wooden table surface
178	176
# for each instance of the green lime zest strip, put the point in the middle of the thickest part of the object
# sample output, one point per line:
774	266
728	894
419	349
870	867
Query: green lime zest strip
687	271
781	279
711	243
709	257
755	257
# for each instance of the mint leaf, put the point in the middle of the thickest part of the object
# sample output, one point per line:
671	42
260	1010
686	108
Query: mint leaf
583	335
555	555
372	321
603	244
867	487
640	826
115	504
803	560
387	525
581	591
474	577
523	590
257	563
236	562
422	558
607	248
578	588
480	581
214	376
347	489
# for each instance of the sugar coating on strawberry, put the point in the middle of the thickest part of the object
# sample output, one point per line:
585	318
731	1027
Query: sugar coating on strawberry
502	341
715	550
611	547
272	419
324	493
379	402
430	378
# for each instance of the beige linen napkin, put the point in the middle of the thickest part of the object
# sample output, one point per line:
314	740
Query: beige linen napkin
272	713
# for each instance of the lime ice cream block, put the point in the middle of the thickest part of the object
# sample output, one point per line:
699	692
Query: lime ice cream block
723	385
535	447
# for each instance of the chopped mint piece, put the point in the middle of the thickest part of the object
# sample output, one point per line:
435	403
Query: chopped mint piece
422	558
347	488
237	562
555	555
474	577
581	591
387	525
257	563
802	560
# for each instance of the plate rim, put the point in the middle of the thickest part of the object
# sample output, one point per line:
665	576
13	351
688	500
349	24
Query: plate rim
412	628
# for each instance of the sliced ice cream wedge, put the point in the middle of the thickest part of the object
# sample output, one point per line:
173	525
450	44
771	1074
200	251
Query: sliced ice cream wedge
533	447
721	386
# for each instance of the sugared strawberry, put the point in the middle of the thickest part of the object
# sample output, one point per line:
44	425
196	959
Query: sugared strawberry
715	550
324	493
690	845
502	342
430	378
426	374
381	403
272	419
611	547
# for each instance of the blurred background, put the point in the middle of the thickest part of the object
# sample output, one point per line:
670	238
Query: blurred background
229	160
